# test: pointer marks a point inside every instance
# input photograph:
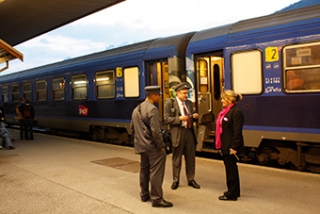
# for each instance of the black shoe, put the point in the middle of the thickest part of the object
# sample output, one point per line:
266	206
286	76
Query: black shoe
10	147
224	193
194	184
145	199
174	185
161	203
225	198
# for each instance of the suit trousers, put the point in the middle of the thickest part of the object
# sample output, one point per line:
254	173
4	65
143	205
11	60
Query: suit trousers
186	147
152	167
232	174
28	128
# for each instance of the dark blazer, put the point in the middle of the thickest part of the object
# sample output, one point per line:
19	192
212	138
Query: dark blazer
146	128
231	136
29	108
171	117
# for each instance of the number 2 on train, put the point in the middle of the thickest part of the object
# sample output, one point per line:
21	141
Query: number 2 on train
272	54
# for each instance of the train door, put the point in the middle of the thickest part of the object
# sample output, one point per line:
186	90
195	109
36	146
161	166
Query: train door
158	74
210	82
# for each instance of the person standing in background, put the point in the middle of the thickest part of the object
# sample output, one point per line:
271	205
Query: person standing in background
229	140
19	112
28	115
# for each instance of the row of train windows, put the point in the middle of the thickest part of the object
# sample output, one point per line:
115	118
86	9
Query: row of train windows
301	70
104	87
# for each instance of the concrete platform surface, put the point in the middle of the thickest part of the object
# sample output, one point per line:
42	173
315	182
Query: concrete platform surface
62	175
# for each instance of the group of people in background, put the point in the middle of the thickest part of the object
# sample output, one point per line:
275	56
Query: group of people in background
179	113
25	112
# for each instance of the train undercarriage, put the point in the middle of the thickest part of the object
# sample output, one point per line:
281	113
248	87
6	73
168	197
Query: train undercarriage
111	135
293	155
296	155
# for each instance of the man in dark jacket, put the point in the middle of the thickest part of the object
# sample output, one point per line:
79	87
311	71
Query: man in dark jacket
28	116
19	112
146	129
179	114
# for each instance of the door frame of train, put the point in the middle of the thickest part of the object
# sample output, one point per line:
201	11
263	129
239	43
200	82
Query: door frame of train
209	77
210	83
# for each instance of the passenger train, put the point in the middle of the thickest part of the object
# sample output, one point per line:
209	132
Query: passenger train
273	61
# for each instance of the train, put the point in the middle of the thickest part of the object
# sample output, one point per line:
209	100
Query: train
273	61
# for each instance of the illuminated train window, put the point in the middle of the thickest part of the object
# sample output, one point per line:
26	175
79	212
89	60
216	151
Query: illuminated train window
247	72
41	88
302	68
131	82
79	87
202	68
58	88
15	92
5	94
105	84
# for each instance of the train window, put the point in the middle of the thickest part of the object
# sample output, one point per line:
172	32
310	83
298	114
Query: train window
105	85
5	94
15	92
58	88
27	91
302	68
79	87
131	82
41	90
247	72
202	67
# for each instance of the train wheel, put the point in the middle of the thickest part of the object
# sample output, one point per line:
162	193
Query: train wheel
97	134
264	155
314	168
312	158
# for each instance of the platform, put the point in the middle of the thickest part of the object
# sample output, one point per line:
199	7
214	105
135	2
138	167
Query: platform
61	175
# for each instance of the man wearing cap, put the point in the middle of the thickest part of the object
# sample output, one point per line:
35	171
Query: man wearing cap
146	128
179	114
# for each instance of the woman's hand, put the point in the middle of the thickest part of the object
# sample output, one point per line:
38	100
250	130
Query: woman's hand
232	151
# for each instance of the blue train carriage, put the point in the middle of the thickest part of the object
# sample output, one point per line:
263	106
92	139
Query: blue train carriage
274	62
94	93
97	93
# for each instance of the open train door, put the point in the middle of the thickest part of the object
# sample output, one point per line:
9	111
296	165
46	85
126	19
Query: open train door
158	74
210	82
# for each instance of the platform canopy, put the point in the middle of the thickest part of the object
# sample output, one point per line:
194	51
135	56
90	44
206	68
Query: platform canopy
8	53
21	20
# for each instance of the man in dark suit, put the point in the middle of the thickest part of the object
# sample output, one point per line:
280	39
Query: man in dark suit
179	114
146	129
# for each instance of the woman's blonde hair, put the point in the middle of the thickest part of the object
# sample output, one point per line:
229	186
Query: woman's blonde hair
231	96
